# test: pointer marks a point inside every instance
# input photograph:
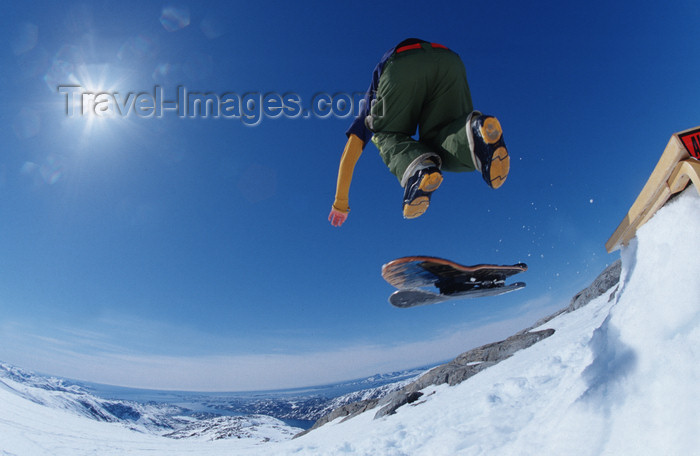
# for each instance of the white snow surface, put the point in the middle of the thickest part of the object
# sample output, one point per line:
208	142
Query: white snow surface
620	376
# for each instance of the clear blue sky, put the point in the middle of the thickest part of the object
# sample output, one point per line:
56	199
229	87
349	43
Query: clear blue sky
196	254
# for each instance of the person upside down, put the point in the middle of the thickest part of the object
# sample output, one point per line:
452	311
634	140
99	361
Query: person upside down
421	85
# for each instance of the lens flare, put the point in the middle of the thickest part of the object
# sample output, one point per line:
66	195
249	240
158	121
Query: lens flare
174	18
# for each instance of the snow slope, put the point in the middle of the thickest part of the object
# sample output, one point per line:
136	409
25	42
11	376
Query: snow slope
619	376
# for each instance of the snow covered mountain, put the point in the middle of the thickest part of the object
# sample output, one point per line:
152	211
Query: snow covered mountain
149	418
55	393
216	416
304	406
617	376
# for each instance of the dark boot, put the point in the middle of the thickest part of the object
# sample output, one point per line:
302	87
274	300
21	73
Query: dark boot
486	142
419	188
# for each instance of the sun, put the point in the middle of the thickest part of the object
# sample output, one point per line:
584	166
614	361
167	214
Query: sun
90	100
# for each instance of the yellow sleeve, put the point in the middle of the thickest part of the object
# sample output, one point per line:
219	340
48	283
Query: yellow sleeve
352	152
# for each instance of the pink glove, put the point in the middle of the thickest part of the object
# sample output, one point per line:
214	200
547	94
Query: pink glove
336	217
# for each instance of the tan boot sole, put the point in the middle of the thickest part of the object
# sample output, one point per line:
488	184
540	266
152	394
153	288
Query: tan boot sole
431	182
491	130
500	165
416	208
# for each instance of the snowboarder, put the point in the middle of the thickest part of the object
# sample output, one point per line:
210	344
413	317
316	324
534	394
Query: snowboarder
422	85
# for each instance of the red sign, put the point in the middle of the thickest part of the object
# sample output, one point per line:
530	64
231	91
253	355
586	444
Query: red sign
691	141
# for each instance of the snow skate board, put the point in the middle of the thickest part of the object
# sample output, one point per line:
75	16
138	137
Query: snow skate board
452	280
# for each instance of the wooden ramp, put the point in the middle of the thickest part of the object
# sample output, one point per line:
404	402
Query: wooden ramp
678	166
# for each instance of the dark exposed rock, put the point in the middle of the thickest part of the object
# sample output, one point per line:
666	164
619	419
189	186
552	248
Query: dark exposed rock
606	280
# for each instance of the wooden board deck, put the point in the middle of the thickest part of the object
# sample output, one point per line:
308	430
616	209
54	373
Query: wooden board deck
675	169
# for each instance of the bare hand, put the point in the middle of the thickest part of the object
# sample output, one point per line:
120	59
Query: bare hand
336	217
